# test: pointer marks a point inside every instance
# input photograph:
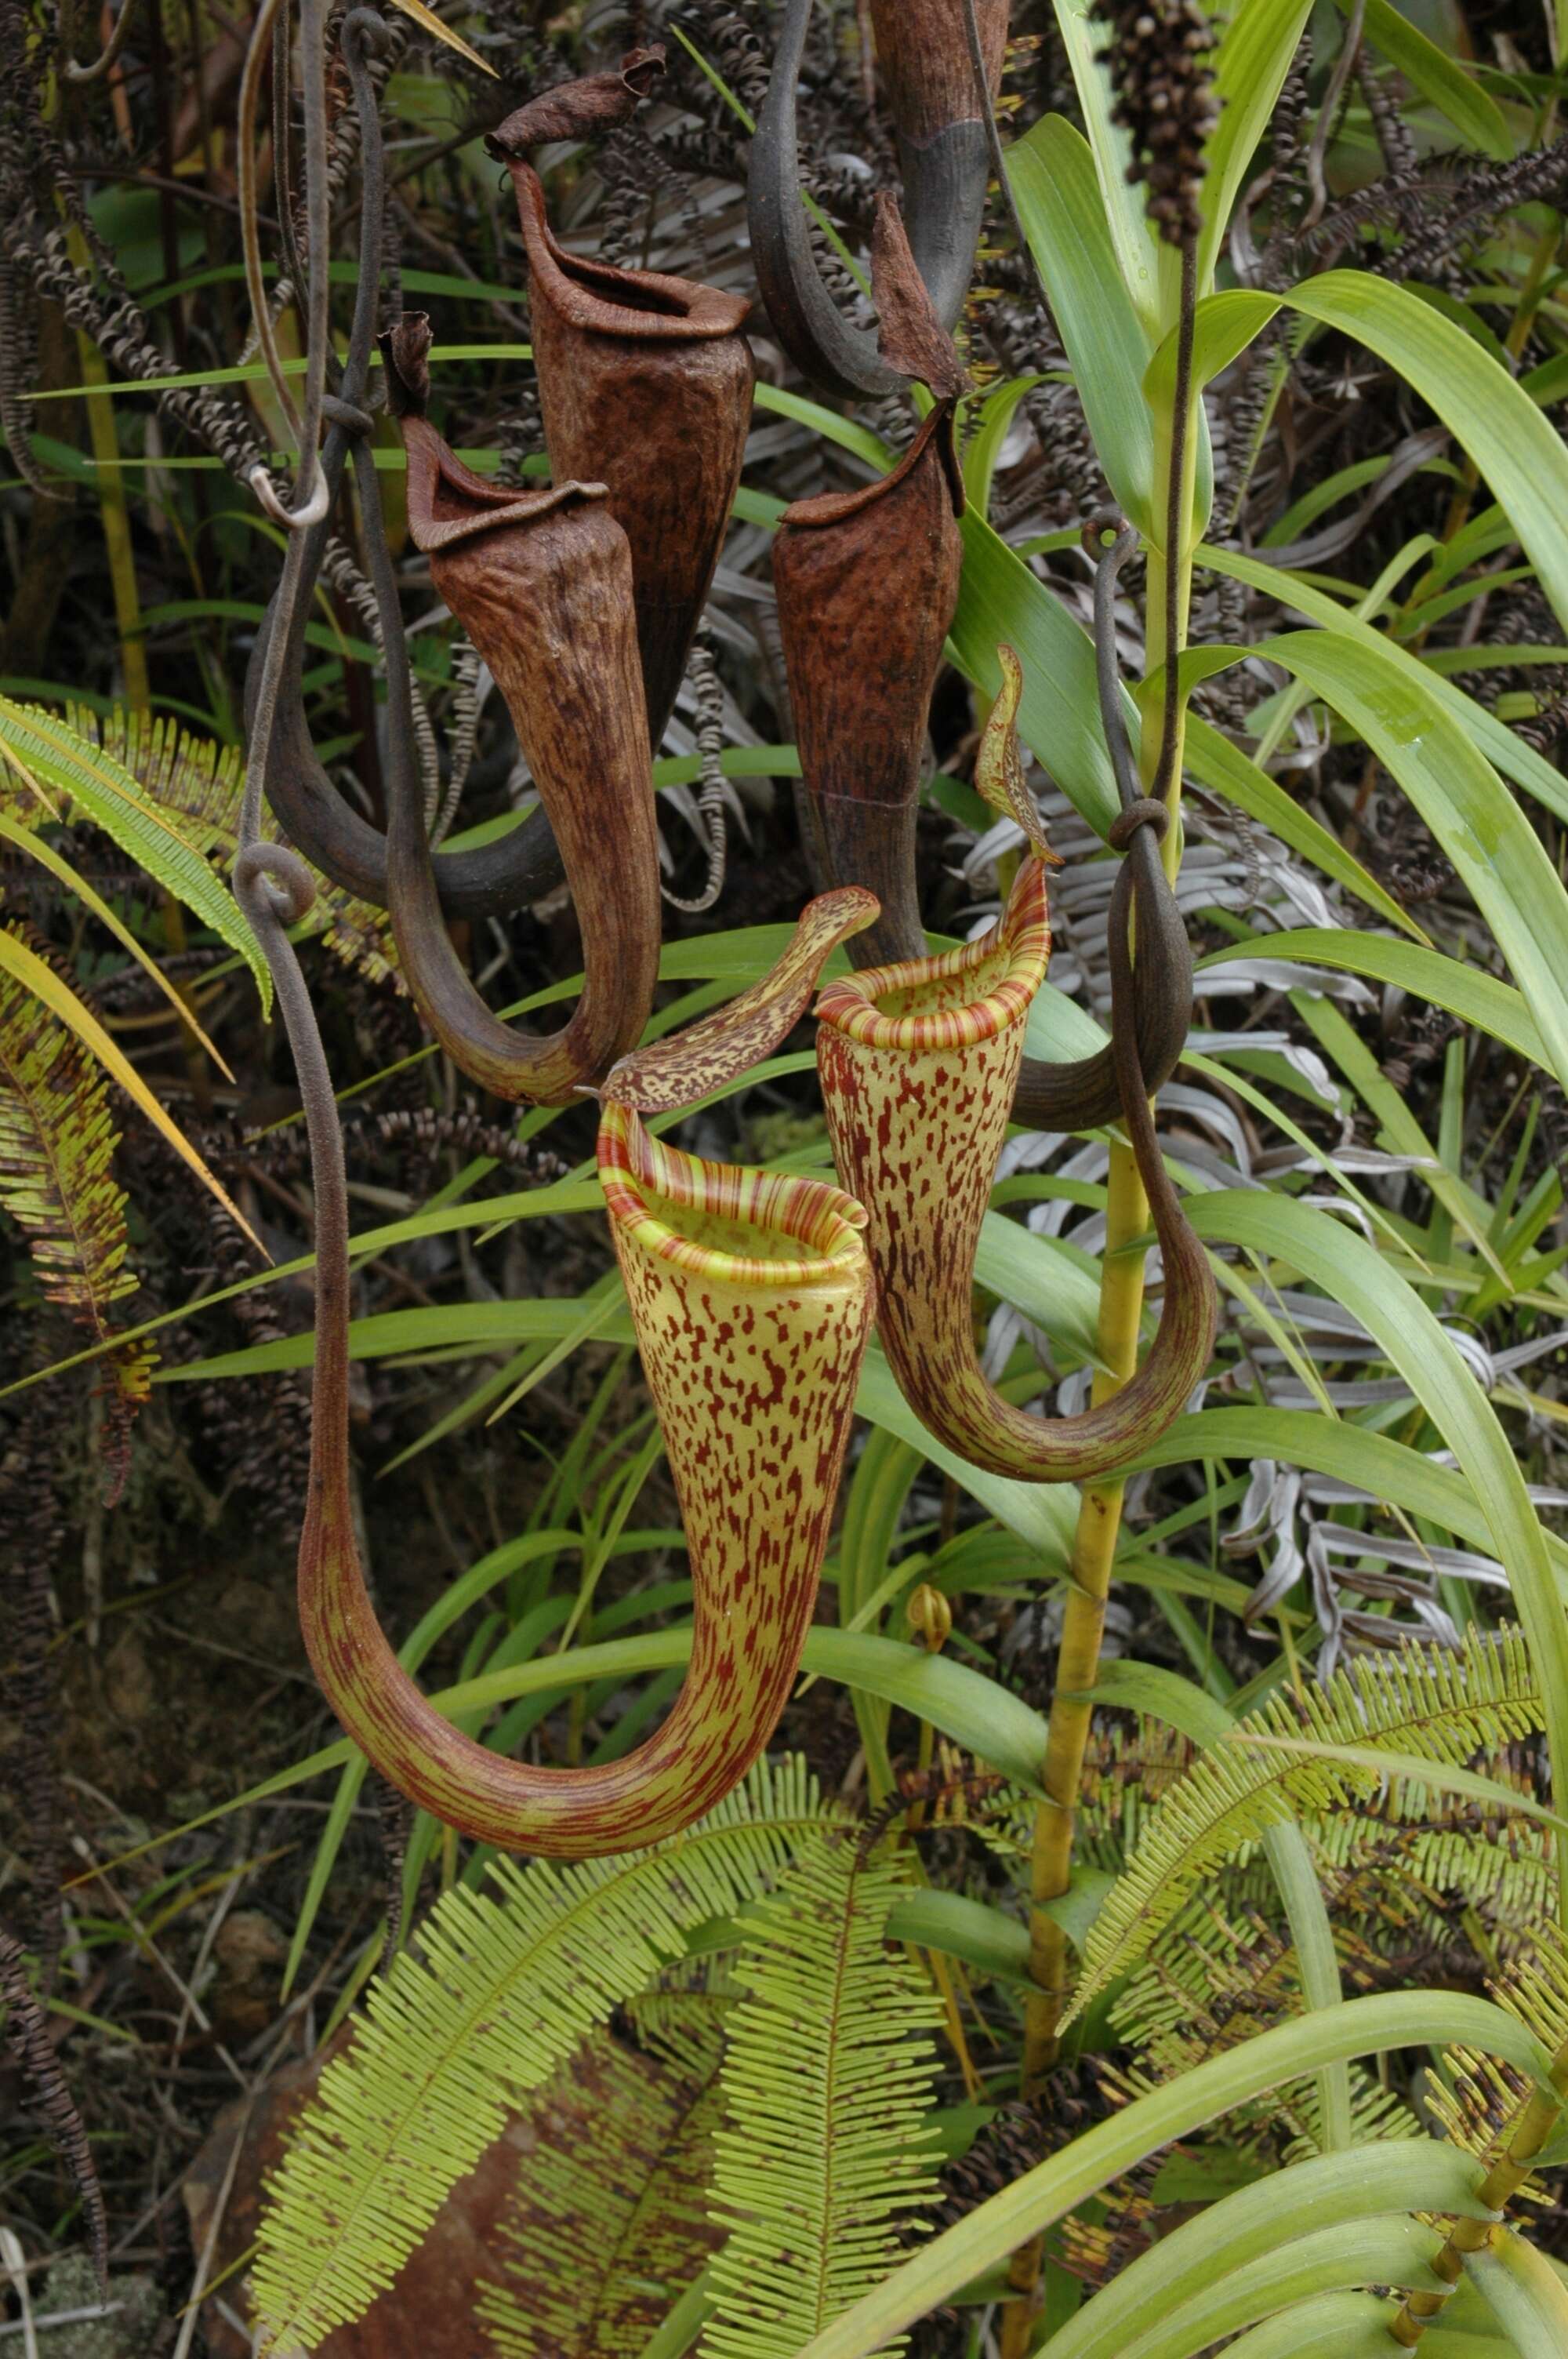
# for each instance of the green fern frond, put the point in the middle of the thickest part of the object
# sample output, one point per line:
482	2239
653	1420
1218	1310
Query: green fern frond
1442	1705
684	2026
609	2222
1215	1980
40	747
57	1182
203	782
1479	2101
507	1984
828	2081
1503	1867
196	776
1376	2113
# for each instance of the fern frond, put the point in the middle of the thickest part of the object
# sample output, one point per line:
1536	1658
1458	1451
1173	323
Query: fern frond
196	777
57	1149
1480	2101
827	2080
1442	1705
39	747
508	1983
1375	2113
609	2221
203	783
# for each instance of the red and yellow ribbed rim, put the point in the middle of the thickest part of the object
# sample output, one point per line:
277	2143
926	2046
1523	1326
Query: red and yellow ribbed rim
1021	940
814	1226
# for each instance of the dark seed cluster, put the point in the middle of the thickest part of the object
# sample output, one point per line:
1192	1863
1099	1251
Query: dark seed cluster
1164	99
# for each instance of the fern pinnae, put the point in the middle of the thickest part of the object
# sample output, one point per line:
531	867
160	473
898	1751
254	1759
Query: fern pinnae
1428	1700
38	744
610	2220
198	785
828	2081
57	1182
507	1984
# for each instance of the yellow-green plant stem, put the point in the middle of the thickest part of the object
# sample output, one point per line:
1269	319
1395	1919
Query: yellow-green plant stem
1169	596
1121	1311
1496	2190
117	522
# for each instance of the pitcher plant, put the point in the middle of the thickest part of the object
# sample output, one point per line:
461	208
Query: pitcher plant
751	1298
919	1064
541	584
644	382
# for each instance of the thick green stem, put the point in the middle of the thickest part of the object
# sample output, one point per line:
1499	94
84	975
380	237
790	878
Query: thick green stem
1163	713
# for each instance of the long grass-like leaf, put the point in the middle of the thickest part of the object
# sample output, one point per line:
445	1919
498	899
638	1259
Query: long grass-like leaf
40	743
39	980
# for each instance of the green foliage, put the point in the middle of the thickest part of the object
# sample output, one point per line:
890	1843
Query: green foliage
197	779
827	2084
507	1984
501	2008
610	2216
57	1147
42	757
1421	1700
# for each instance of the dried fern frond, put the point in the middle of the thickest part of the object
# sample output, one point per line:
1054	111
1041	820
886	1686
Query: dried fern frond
1441	1705
1480	2101
506	1985
1215	1982
27	2035
828	2081
609	2222
57	1149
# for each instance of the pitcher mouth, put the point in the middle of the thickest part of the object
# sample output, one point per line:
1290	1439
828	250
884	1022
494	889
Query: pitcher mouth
957	1000
449	504
826	509
738	1227
647	305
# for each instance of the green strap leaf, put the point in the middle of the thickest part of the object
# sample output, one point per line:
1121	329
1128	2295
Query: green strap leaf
1326	2193
1467	992
1362	2026
1476	821
1060	203
1521	455
1303	2269
1351	1272
1135	249
1494	738
1250	66
1473	114
1524	2294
